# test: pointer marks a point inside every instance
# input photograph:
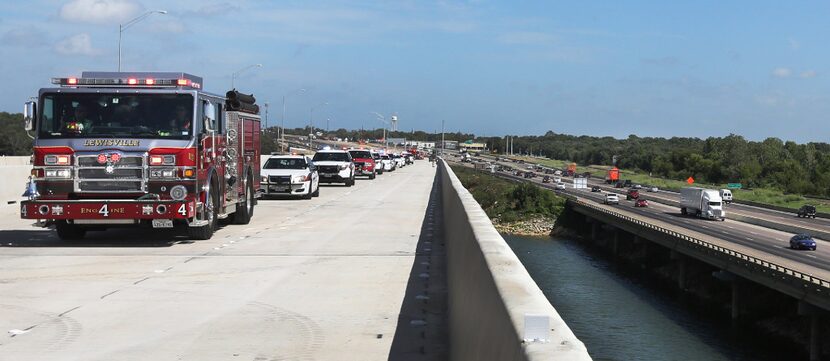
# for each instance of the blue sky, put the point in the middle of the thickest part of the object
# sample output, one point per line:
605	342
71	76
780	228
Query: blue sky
705	68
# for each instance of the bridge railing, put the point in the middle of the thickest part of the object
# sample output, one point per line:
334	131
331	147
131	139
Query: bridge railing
491	294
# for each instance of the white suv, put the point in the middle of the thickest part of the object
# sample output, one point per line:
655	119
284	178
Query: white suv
290	175
334	166
612	198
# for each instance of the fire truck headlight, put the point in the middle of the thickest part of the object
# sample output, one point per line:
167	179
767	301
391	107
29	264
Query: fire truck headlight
178	192
58	173
167	173
147	209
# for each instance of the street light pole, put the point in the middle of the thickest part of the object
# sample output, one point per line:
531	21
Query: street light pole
122	27
311	125
236	73
282	124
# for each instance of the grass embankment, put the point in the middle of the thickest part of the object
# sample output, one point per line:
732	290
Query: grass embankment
513	208
761	195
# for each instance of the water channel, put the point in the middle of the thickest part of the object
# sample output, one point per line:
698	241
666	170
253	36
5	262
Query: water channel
625	315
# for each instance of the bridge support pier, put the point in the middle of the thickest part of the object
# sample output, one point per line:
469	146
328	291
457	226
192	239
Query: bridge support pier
615	243
681	268
815	314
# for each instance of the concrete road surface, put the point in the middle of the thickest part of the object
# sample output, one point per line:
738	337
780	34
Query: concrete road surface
320	279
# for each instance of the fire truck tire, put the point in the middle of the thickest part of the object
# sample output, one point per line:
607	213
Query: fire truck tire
206	232
245	210
68	232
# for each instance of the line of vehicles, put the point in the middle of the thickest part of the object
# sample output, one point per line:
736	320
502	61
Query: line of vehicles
153	149
700	202
301	175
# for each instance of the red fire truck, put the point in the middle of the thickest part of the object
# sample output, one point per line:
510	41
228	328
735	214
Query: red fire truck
116	149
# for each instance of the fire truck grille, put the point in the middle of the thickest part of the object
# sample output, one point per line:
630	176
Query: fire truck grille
279	179
328	169
126	175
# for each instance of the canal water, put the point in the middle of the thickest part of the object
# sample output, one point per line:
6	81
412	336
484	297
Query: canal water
620	315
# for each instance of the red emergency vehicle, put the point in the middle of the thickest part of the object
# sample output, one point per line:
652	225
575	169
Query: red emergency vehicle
116	149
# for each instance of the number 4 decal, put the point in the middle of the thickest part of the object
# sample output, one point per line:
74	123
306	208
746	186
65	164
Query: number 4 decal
104	211
182	210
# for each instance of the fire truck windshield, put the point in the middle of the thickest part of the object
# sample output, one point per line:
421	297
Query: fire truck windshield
83	115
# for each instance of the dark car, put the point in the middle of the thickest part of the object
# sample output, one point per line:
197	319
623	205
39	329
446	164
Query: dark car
596	189
641	203
528	175
632	194
546	179
803	241
619	184
807	211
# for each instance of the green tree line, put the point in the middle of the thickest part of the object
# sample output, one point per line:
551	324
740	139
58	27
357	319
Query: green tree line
785	165
13	139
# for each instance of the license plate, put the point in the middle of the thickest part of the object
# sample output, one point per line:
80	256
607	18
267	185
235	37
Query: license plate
328	174
162	223
279	188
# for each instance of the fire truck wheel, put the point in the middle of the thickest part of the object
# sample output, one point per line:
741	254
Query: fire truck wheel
68	232
245	210
206	231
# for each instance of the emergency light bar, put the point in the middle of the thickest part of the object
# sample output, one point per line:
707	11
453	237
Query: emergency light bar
138	80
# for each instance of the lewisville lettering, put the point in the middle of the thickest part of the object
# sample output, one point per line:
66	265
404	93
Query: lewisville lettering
111	142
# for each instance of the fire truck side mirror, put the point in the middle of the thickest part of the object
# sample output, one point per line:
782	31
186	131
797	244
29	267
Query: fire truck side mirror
29	111
210	116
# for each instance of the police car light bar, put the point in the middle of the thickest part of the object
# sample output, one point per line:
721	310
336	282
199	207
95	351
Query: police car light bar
139	80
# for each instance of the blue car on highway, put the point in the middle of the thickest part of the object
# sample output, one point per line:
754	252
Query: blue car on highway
802	241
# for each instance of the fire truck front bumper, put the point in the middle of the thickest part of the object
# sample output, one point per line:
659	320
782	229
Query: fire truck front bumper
102	212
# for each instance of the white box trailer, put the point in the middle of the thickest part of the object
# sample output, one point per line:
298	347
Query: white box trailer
702	202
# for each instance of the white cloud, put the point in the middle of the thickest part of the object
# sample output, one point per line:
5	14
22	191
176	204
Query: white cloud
782	72
79	44
99	11
794	44
808	74
527	38
24	37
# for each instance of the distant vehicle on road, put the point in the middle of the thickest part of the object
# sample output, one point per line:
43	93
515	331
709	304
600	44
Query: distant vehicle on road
335	166
612	198
702	202
546	179
726	195
596	189
378	162
637	186
364	164
632	194
560	185
802	241
807	211
652	189
293	175
641	203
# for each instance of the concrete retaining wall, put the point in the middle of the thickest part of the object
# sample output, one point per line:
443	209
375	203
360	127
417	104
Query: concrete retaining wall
14	172
490	291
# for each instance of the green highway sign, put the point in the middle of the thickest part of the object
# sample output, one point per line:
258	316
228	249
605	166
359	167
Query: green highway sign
733	185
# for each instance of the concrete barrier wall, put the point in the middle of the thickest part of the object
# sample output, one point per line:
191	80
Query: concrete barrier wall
490	291
14	172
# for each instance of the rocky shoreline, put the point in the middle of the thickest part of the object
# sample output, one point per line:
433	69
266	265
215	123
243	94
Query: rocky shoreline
536	226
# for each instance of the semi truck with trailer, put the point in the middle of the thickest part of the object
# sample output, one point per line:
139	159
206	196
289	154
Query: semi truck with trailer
702	202
141	149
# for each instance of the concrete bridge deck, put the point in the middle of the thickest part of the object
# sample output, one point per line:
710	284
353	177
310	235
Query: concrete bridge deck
324	279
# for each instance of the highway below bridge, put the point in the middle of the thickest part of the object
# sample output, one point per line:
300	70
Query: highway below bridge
404	267
751	245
